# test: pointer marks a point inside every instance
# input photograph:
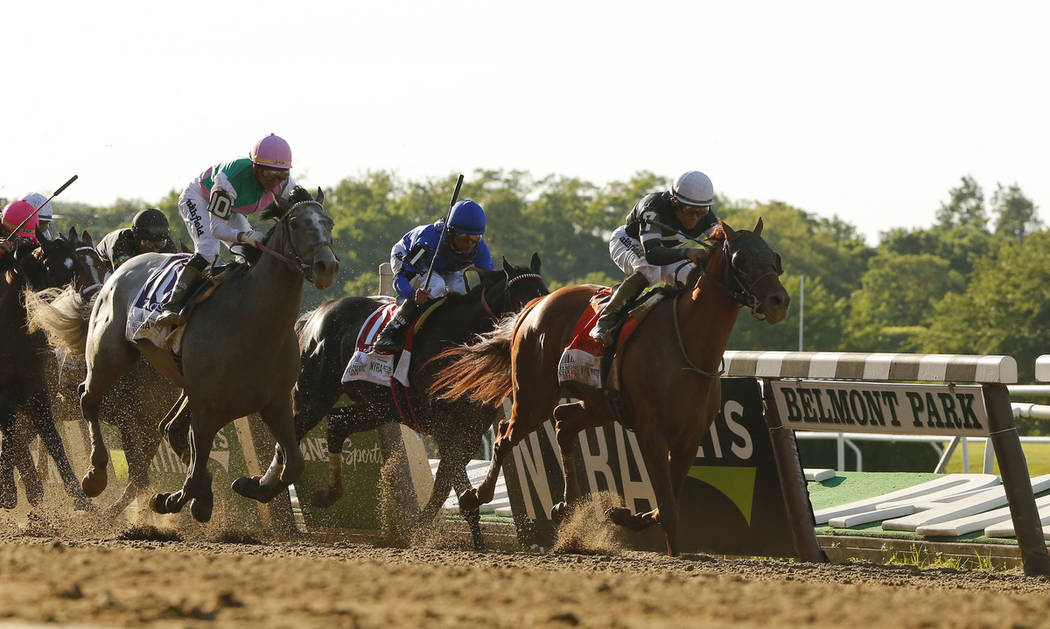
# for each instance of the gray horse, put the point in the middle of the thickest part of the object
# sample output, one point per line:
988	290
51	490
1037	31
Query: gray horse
239	354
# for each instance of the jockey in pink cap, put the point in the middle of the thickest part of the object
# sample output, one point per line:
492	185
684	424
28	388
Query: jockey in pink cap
15	213
215	205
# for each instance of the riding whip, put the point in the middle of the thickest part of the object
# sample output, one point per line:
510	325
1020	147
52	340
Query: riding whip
441	237
36	211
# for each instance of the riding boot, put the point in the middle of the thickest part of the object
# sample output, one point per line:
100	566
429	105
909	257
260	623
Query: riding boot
189	279
392	339
604	330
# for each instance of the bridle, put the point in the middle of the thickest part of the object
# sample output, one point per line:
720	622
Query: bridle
296	261
736	284
89	291
43	259
738	288
510	282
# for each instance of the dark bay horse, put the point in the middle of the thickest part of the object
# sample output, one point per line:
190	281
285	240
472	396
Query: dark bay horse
239	353
327	342
139	398
24	357
669	385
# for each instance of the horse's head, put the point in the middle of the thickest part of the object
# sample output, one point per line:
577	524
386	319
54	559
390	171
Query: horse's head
508	290
90	271
307	237
753	271
49	263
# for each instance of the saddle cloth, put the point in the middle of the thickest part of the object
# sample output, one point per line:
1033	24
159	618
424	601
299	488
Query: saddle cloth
145	310
581	360
372	367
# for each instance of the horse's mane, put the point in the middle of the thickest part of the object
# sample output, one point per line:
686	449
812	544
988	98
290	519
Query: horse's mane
276	210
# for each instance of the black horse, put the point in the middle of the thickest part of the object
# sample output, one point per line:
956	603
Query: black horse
327	340
23	365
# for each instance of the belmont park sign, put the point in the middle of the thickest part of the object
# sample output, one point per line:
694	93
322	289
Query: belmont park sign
881	407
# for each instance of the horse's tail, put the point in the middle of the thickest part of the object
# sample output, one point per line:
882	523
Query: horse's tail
480	372
62	313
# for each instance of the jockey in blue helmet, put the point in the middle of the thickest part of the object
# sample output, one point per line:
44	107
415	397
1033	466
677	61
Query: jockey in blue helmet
460	247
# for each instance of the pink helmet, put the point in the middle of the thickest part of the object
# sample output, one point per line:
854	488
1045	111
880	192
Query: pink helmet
272	152
18	211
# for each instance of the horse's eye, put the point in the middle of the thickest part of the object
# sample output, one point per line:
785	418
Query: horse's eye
777	265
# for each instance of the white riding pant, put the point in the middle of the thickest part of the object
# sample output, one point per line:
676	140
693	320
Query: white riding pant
441	284
628	254
193	208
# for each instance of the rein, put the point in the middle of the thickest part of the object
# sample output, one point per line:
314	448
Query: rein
296	262
89	291
681	347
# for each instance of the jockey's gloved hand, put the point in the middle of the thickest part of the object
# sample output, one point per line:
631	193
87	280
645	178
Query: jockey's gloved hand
252	238
697	256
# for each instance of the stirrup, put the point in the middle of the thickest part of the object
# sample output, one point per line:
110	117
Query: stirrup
605	337
389	343
170	318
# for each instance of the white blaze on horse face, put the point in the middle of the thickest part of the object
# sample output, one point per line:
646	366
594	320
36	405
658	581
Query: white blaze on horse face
69	264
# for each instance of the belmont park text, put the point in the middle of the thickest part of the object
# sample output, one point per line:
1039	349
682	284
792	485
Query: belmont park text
862	406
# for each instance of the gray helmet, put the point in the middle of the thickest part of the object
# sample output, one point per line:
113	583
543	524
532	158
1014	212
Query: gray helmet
150	224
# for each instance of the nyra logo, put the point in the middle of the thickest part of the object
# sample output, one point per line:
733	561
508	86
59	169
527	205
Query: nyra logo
887	408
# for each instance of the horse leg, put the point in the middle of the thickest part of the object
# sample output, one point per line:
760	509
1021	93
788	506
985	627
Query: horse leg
8	450
94	481
339	422
27	469
39	410
112	357
655	455
197	486
288	459
472	517
530	409
176	428
569	420
139	447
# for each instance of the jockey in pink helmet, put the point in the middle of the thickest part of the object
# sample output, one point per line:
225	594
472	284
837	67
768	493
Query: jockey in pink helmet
15	213
215	207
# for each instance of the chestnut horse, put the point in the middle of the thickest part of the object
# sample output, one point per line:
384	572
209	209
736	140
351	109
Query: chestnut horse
669	374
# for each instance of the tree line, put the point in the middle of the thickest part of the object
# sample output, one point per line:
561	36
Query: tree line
974	282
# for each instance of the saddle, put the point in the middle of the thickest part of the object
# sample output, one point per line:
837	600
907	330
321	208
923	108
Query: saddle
147	305
380	368
584	361
212	279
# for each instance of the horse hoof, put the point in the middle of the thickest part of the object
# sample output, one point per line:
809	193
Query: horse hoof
618	515
93	484
559	512
250	488
324	499
245	486
35	497
8	500
201	509
469	501
158	503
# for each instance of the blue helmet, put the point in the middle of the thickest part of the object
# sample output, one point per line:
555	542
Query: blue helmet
467	217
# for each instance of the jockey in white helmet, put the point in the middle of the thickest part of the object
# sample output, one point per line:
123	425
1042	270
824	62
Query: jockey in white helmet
651	245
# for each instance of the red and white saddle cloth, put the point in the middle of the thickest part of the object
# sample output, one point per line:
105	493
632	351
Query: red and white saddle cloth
581	360
378	368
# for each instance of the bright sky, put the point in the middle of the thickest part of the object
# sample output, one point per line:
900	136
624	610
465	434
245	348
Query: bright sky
871	112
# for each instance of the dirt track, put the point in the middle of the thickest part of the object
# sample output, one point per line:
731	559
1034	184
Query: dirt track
96	580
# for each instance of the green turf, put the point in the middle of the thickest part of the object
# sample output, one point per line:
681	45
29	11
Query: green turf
1036	454
848	487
